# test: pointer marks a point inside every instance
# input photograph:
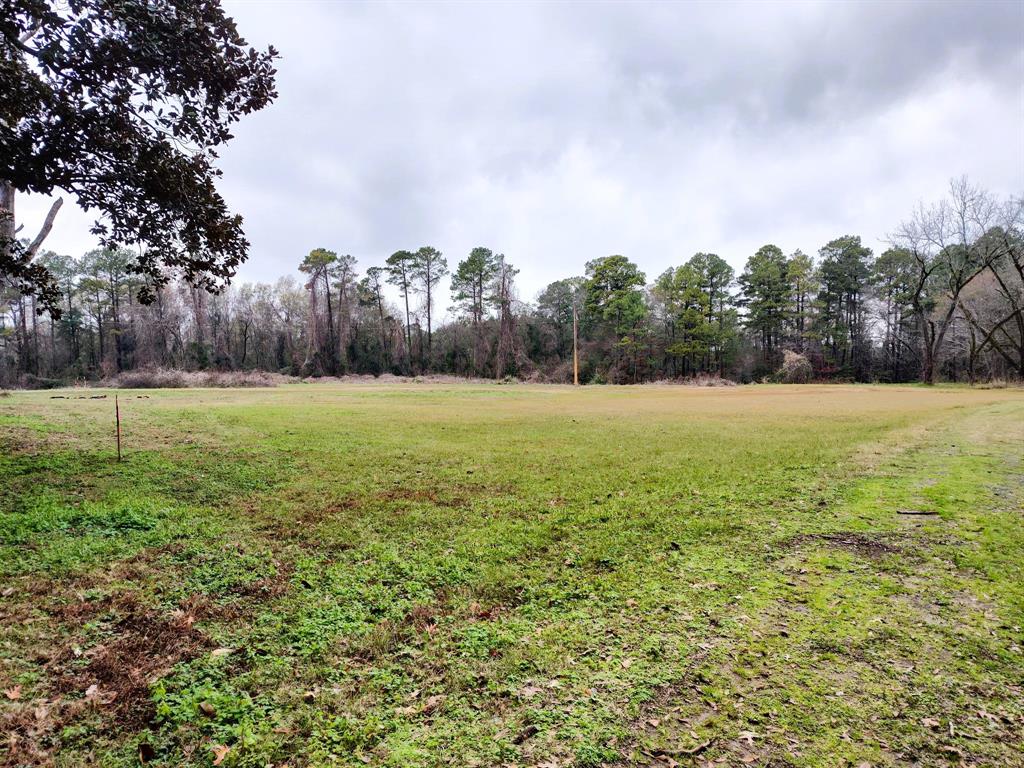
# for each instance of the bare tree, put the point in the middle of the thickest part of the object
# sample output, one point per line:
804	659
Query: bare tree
996	313
950	245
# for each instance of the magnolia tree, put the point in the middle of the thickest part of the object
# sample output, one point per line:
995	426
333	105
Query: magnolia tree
124	106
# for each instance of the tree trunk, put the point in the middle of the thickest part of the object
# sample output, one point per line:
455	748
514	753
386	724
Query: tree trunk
35	337
429	347
408	327
7	227
384	363
331	339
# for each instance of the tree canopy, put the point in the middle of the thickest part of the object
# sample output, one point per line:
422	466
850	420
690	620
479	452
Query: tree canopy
124	106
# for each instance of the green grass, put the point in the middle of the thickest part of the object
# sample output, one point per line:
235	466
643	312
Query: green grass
424	575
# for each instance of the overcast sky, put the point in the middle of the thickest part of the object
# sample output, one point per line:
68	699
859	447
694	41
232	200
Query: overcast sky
560	132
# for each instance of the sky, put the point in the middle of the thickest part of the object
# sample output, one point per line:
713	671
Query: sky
557	133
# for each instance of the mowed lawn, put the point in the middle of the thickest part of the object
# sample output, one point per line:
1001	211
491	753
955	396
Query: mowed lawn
487	575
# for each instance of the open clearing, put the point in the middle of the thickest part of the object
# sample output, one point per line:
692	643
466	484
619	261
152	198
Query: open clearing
427	575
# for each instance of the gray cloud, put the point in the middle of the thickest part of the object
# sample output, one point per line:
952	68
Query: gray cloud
803	61
561	132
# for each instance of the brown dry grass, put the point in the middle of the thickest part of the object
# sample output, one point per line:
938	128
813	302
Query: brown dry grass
166	378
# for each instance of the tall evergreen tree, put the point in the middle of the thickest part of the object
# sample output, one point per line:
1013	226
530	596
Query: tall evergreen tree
615	307
370	291
716	278
800	274
401	273
321	356
428	268
844	271
470	284
765	291
892	276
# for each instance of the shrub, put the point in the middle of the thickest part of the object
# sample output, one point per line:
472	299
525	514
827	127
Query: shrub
697	380
998	383
708	380
28	381
796	369
147	378
166	378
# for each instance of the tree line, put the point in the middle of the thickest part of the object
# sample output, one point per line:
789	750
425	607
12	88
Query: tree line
945	300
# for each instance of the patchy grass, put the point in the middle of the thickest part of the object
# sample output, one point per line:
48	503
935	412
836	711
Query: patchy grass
428	575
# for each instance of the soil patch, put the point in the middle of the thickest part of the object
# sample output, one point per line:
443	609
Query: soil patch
857	543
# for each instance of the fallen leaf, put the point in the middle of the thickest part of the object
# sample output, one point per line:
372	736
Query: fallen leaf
92	692
749	736
627	663
220	751
697	749
530	691
432	703
930	722
217	652
183	619
207	709
13	693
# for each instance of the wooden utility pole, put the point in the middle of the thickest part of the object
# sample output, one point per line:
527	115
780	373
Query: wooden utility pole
575	349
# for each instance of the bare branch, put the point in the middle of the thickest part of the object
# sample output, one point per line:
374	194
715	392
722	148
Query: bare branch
47	226
30	33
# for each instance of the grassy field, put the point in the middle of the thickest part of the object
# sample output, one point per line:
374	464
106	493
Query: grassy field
425	575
